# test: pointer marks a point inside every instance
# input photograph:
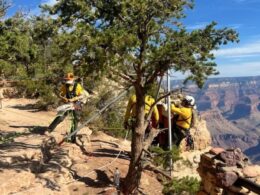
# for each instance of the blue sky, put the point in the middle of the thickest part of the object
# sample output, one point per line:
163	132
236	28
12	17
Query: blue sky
242	59
235	59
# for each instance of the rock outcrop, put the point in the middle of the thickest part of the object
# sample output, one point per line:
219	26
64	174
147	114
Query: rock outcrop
228	172
231	107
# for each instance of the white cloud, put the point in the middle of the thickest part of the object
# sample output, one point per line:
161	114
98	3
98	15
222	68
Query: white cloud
239	69
233	69
197	26
37	11
252	49
246	1
202	25
236	26
49	2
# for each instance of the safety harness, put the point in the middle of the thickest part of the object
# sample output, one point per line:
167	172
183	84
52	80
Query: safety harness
184	120
189	139
71	94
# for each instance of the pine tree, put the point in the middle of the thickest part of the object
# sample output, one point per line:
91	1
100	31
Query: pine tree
134	42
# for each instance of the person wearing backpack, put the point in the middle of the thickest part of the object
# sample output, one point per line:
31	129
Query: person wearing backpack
70	92
183	121
130	114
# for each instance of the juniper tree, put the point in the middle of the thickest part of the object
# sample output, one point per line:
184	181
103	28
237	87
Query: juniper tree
18	51
4	5
137	41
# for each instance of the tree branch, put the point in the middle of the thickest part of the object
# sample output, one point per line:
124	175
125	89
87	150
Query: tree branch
123	76
153	133
151	167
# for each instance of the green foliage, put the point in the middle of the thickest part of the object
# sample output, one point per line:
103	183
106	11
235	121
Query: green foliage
110	121
38	89
47	97
190	185
7	138
17	46
187	163
113	122
134	37
152	89
88	110
114	118
4	5
128	41
162	157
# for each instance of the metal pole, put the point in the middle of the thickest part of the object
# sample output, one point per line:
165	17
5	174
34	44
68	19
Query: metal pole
169	116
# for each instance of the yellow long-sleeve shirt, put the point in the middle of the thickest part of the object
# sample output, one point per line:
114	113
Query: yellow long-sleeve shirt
185	114
131	108
78	91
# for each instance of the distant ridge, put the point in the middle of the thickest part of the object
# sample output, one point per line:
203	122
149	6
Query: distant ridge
231	107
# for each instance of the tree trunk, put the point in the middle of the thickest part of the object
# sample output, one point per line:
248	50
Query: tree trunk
133	177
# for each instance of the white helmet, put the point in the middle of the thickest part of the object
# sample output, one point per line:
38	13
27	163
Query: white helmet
190	100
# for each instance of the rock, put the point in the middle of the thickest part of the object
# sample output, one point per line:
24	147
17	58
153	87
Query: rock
227	179
201	135
251	171
1	94
16	181
145	181
110	191
216	151
196	159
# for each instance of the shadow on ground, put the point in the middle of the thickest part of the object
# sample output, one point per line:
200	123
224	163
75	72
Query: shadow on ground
32	129
102	180
28	107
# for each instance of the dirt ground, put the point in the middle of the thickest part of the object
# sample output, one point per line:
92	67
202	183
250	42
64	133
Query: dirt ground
83	168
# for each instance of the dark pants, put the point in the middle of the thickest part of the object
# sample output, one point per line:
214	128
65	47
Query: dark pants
178	135
59	119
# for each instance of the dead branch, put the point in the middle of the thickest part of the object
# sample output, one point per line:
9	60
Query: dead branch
153	133
156	170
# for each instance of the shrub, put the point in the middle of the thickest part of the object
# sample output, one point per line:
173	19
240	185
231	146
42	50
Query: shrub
9	137
162	157
190	185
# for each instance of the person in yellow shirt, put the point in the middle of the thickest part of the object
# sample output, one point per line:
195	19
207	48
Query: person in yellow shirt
131	111
70	92
182	122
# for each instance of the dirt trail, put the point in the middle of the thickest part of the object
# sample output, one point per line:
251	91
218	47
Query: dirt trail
83	168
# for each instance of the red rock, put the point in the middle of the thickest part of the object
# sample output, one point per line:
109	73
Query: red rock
216	151
251	171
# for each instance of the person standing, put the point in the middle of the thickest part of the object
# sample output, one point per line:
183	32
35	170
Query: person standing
70	92
182	120
130	114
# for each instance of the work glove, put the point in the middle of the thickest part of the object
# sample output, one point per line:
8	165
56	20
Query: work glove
65	100
73	99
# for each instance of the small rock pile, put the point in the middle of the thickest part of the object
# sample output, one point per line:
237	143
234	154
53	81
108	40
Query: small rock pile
225	171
